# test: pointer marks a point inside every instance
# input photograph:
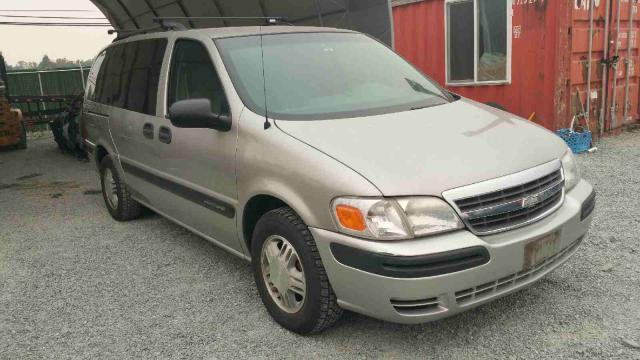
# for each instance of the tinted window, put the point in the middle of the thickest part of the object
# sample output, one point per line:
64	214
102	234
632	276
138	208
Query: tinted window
121	86
193	76
92	79
130	74
111	87
101	80
144	76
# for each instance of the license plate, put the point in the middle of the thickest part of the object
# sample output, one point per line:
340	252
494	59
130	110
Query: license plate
536	251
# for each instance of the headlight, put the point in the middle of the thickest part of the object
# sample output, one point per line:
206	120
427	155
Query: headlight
394	219
571	171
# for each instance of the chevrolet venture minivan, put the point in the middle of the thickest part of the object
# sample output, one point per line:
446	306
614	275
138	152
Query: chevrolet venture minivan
345	176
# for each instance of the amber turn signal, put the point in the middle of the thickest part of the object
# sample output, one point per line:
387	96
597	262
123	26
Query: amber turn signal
350	217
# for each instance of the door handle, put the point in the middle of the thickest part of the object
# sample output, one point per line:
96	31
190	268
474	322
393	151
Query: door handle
147	130
164	135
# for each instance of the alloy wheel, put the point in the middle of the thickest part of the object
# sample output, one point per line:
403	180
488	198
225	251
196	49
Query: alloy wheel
283	274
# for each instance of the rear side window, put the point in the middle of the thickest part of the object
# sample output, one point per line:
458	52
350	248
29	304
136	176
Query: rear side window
144	76
121	86
130	74
102	78
193	76
111	87
92	79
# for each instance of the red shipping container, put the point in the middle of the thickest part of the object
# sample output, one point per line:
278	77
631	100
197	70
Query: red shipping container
541	62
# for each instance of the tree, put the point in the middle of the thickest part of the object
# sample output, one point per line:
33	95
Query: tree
24	65
46	63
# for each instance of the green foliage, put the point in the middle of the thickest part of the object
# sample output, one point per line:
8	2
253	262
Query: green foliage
47	64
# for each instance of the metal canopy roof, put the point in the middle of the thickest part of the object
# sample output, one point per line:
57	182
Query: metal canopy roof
368	16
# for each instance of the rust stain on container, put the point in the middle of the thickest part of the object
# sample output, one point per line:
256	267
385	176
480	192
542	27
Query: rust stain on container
549	59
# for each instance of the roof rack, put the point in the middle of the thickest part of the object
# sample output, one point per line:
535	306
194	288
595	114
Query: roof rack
270	20
163	25
170	23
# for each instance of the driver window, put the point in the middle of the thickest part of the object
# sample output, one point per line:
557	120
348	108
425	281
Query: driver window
193	76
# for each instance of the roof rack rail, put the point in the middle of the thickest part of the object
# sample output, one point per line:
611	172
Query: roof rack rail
169	23
129	32
270	20
163	25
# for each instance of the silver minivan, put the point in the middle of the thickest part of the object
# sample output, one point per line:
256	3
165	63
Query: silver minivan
345	176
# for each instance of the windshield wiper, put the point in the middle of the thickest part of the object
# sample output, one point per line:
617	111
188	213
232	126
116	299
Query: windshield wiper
417	87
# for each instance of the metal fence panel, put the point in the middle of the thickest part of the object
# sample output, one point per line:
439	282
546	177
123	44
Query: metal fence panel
50	82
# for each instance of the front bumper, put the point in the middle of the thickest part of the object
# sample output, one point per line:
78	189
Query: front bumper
423	299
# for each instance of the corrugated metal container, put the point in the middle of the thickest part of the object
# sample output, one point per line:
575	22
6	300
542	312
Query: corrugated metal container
543	54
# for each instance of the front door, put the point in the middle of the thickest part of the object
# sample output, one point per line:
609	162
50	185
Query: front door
196	167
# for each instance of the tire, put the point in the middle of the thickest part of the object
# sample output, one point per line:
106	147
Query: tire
22	145
124	207
319	309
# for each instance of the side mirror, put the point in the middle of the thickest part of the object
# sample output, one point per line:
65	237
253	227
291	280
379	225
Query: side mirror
196	114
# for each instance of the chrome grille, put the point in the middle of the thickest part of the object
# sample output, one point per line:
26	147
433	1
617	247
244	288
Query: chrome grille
513	206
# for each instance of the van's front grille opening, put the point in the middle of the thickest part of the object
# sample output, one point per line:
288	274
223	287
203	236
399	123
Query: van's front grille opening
417	307
514	206
486	290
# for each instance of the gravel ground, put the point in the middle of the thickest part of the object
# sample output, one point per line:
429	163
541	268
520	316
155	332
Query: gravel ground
76	284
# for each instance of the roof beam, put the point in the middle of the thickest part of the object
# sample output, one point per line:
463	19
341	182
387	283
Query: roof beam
217	5
184	11
126	11
262	9
153	11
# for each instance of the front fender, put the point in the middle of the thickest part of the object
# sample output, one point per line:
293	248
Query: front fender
270	162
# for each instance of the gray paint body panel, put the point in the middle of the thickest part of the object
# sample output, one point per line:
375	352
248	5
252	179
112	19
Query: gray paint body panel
429	151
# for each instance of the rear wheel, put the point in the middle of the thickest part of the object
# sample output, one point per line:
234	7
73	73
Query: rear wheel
289	274
117	197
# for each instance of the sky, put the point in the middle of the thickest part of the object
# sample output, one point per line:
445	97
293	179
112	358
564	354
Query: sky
31	43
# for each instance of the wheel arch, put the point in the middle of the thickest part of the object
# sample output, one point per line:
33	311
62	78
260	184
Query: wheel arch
260	204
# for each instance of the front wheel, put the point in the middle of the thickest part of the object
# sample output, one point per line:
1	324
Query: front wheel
289	274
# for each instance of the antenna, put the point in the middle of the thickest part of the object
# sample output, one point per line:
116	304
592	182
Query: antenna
267	124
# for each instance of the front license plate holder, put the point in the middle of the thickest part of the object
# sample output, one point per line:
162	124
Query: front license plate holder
540	249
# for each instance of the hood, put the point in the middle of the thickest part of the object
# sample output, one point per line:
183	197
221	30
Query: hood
431	150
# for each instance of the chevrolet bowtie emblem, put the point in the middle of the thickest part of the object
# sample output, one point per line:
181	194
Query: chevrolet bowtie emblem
530	201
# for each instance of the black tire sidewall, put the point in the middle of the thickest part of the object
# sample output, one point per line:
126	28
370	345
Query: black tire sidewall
305	320
107	163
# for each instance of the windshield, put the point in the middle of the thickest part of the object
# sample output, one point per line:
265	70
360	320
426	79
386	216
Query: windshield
311	76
